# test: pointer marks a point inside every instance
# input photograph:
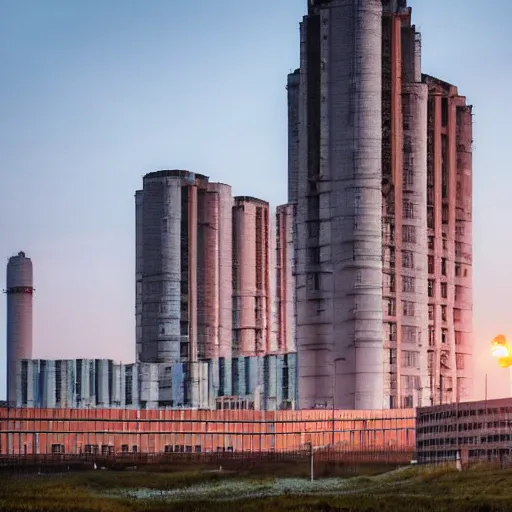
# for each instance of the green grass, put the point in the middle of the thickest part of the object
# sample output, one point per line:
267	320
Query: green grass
482	489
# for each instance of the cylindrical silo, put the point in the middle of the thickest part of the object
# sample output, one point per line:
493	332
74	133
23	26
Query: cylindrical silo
19	291
353	109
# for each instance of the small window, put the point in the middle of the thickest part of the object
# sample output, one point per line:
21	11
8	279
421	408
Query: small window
431	312
444	111
408	308
444	290
443	313
431	264
443	266
408	284
409	234
445	214
407	259
431	336
430	287
457	270
392	331
444	336
408	209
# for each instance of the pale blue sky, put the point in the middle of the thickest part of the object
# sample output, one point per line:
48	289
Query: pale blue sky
96	93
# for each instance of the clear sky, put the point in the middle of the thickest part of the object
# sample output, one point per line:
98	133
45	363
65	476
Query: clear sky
95	94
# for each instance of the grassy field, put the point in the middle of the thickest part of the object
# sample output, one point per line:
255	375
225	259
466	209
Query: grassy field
484	489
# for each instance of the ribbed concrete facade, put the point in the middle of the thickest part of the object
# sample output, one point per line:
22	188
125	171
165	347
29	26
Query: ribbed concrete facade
285	278
371	303
252	308
19	290
183	250
449	222
339	242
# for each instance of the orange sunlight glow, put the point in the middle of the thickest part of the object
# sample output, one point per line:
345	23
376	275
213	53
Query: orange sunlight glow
500	349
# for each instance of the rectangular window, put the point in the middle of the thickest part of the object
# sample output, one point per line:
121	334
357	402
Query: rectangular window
391	307
443	266
457	315
408	284
458	338
389	283
392	331
430	287
431	336
409	359
431	264
430	217
409	234
457	270
444	111
392	356
443	313
459	361
445	214
408	308
408	207
431	312
431	242
444	290
407	259
444	336
409	334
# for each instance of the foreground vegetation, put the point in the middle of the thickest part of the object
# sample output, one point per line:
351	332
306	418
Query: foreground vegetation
482	489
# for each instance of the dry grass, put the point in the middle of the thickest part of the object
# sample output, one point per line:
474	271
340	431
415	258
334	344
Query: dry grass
482	489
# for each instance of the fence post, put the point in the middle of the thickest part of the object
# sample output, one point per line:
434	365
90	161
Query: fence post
311	461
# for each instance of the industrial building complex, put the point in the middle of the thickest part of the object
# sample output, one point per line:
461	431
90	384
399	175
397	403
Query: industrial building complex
354	297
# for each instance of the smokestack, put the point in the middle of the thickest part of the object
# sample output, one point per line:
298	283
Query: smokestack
19	292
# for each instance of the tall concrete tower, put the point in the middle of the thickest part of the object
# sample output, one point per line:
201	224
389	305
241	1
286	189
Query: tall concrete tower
19	292
383	243
339	241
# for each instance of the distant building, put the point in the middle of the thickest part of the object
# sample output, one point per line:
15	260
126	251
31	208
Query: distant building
265	382
472	431
20	291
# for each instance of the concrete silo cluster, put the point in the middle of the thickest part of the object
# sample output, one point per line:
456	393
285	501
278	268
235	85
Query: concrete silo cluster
356	294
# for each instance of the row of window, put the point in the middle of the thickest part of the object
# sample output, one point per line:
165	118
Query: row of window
494	438
438	416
